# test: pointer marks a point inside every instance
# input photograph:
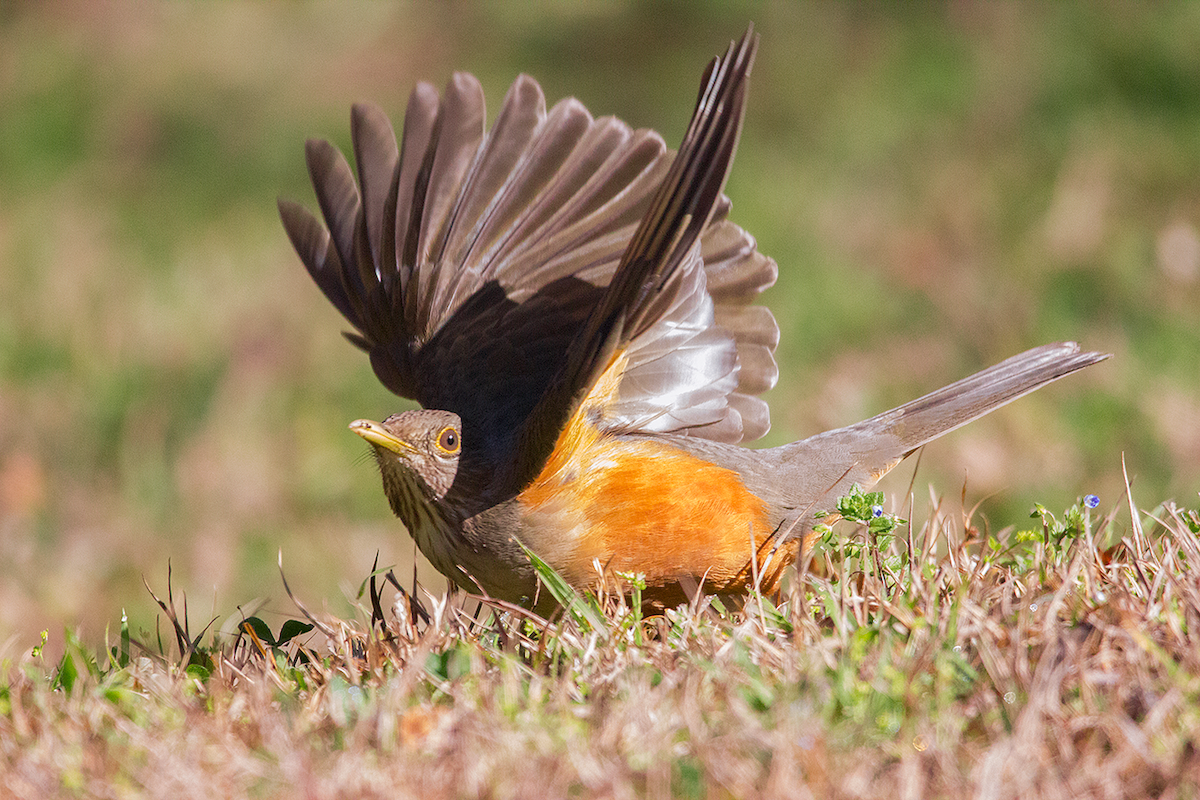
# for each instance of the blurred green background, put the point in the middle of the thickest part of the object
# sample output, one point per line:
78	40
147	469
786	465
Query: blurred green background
942	185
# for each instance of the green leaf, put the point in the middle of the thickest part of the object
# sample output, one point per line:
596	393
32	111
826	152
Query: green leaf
66	674
584	611
291	629
260	629
198	672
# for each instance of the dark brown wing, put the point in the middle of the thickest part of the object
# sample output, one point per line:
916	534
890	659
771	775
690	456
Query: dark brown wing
468	262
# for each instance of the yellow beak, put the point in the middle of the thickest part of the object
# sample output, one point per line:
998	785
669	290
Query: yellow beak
380	436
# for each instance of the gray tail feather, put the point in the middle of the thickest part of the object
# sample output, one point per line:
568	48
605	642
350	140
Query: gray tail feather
922	420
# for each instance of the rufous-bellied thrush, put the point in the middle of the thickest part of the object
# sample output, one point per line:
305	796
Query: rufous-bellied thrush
571	306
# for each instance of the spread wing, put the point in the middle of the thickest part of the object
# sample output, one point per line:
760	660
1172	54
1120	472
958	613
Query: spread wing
469	262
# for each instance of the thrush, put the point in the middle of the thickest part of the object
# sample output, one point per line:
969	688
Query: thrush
571	306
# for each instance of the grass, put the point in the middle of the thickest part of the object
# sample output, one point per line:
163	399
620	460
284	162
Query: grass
942	661
942	187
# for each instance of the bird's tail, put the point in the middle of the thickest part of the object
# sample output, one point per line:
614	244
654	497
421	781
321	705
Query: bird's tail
922	420
809	475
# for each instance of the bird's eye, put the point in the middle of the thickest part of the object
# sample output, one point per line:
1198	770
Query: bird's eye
447	440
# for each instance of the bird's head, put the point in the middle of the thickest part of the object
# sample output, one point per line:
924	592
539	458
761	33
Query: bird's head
418	455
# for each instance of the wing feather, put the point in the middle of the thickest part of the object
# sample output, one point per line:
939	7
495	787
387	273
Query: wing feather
468	261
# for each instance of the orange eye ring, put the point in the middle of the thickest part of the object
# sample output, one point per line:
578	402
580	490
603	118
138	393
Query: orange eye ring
447	440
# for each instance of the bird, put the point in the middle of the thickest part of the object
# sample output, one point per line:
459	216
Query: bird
572	308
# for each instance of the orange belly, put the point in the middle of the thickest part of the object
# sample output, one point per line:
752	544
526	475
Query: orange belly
641	506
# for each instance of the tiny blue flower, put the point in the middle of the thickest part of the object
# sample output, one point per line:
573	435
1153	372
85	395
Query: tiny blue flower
1091	501
876	511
